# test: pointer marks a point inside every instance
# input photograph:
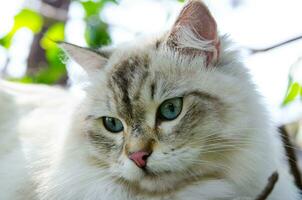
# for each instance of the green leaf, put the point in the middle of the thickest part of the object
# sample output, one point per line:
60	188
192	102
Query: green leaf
96	33
24	19
24	79
301	92
30	19
292	93
54	34
50	75
92	7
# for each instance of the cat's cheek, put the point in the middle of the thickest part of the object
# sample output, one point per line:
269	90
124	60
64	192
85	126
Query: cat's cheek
130	171
168	127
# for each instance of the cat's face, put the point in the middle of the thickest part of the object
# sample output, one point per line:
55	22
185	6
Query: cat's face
159	116
154	105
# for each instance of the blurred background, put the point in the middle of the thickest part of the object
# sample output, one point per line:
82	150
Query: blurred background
268	32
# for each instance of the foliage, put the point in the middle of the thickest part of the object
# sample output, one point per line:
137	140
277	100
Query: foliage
53	70
294	88
96	33
24	19
56	69
293	92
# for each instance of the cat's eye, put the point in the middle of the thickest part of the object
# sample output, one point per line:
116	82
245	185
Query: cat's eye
112	124
170	109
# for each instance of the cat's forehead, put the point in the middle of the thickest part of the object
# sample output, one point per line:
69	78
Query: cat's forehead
131	72
127	80
128	70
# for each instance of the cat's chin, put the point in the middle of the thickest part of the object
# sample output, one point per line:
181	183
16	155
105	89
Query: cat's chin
147	182
157	180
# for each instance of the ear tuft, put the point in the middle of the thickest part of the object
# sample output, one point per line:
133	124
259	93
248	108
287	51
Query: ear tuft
89	59
195	31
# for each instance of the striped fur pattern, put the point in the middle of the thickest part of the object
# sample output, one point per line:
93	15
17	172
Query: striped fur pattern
221	146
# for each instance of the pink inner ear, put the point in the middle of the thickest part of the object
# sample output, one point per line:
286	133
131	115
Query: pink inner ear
196	16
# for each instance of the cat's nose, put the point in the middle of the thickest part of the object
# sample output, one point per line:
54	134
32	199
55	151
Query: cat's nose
140	158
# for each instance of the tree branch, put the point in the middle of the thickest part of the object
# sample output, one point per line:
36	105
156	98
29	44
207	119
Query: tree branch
254	51
291	157
272	180
50	12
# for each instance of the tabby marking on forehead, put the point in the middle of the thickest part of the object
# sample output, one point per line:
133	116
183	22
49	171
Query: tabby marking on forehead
127	76
152	90
140	85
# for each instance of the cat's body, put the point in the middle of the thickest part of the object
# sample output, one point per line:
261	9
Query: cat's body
221	146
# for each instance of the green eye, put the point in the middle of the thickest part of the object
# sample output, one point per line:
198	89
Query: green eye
170	109
113	125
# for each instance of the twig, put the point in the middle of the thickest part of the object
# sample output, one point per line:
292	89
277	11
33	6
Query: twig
50	12
269	187
291	157
253	51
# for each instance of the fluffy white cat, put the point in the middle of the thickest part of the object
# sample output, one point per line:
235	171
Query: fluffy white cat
172	117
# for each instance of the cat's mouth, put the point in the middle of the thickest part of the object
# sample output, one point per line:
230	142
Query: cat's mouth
153	184
164	182
149	173
161	178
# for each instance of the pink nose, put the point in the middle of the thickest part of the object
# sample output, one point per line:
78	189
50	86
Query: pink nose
140	158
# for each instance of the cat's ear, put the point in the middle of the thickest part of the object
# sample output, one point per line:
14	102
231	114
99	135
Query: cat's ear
90	60
195	31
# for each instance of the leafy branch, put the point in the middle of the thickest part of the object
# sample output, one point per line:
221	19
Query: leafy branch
294	88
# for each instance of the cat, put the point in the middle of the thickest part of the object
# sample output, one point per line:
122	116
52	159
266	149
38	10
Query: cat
169	117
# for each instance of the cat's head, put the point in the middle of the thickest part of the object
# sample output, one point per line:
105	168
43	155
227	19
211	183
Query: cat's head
165	112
